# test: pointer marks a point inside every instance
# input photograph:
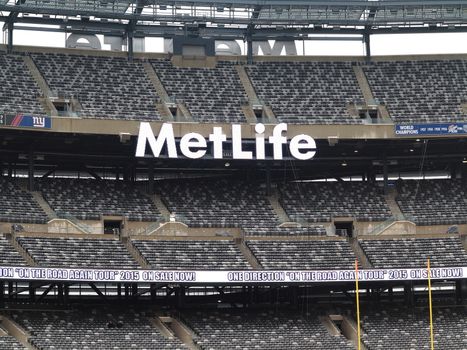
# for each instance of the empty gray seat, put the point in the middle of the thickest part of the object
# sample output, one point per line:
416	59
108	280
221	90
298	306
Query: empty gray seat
78	252
100	329
303	255
414	252
192	254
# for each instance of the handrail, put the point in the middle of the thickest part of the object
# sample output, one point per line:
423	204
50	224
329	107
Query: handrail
378	229
75	221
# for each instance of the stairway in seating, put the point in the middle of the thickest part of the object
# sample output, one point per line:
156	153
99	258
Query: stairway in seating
43	86
10	328
135	253
392	203
44	205
365	88
278	209
156	199
359	253
172	327
247	254
252	97
28	258
160	90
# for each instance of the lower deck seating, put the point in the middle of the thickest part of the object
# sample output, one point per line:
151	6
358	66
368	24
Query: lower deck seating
313	255
410	329
9	343
78	252
262	330
93	329
414	252
192	255
8	255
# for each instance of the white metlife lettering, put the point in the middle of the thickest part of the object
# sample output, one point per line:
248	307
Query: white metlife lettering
194	145
237	152
217	137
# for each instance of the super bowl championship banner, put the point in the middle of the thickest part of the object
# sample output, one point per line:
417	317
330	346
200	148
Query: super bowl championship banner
431	129
230	277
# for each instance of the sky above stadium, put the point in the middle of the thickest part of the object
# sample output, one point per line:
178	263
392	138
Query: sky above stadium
395	44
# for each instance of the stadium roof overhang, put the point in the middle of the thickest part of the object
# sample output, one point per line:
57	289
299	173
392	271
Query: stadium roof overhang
236	19
347	157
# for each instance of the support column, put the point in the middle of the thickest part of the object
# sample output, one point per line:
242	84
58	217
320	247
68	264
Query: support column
366	39
385	174
249	49
134	290
60	293
10	36
180	296
66	293
10	290
32	292
119	290
31	171
408	294
268	181
151	177
130	45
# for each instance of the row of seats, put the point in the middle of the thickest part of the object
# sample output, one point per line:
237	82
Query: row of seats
192	255
320	202
106	87
307	92
8	255
18	91
303	255
433	202
96	329
10	343
78	252
210	94
272	330
298	92
89	199
411	252
420	91
219	203
234	203
226	255
17	205
392	328
383	327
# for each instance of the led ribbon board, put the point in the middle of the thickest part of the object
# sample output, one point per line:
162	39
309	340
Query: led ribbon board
194	145
21	273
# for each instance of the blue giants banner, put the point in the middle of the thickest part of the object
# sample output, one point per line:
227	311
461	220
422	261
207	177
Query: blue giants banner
431	129
26	121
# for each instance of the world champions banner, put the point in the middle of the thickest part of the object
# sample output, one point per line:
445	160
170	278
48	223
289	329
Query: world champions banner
228	277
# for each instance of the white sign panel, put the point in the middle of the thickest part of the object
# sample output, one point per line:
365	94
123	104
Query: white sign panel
230	277
194	145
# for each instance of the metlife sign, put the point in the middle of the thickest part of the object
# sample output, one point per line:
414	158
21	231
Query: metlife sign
194	146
